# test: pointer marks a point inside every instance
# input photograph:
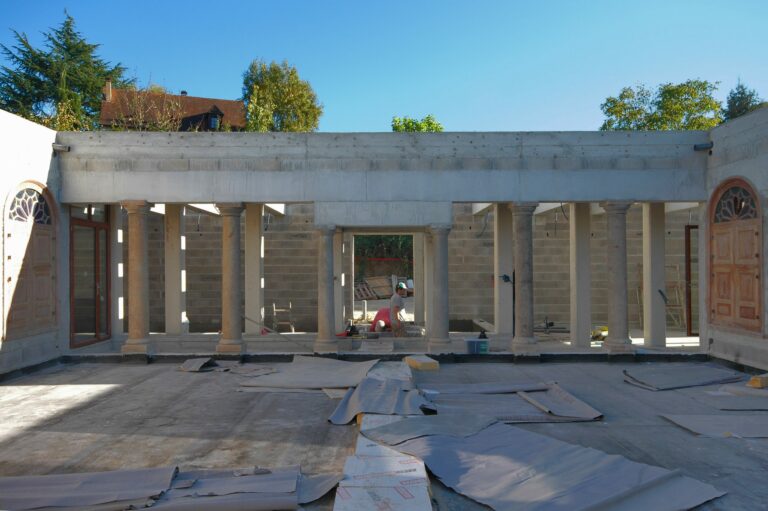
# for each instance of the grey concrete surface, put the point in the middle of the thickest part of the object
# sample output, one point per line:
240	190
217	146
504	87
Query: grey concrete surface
106	416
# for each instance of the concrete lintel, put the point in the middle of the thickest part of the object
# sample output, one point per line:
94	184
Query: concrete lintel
383	214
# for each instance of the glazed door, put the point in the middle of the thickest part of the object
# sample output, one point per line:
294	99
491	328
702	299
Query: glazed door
89	289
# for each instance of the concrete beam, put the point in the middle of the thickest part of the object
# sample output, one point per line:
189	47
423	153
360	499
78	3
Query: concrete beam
384	167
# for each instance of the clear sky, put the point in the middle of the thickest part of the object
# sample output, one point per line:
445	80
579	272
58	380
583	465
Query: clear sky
475	65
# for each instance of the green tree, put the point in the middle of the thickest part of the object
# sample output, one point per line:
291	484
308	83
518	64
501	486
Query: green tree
741	100
683	106
427	124
66	73
276	99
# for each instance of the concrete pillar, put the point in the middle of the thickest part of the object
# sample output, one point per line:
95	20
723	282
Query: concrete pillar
616	258
338	281
176	322
581	274
439	339
418	278
503	268
654	308
254	268
522	213
349	244
429	278
326	340
138	278
231	340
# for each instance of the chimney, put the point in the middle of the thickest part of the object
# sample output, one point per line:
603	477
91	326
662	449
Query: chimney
108	90
183	93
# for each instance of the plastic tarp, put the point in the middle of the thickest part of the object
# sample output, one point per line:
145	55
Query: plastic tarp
678	376
451	425
510	469
718	426
83	489
550	405
388	397
313	373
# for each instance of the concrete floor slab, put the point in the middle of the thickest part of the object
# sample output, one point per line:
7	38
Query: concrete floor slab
107	416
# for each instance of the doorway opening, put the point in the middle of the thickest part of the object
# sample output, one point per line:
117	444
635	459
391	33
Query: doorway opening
89	272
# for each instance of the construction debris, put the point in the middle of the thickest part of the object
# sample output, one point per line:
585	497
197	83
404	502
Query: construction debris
758	382
198	365
422	363
678	376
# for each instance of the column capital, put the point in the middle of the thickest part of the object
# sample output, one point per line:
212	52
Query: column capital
136	206
326	230
616	207
438	229
523	208
230	208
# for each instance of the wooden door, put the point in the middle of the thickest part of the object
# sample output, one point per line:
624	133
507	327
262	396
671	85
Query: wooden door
29	287
735	256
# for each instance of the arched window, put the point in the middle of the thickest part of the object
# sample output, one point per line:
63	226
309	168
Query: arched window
30	206
736	253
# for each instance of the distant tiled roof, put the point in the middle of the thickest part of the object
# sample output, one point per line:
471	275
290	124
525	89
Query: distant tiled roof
118	110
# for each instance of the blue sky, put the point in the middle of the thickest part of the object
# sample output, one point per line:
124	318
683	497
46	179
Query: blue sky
475	65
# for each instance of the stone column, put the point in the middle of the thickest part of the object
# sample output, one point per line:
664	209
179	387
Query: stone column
616	258
429	279
254	292
654	308
326	339
349	243
503	265
439	339
418	278
522	213
138	278
338	281
231	340
581	275
176	322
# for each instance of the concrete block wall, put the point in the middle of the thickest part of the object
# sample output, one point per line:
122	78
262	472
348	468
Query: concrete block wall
290	273
470	265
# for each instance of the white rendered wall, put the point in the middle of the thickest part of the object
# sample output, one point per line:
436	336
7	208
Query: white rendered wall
26	155
740	150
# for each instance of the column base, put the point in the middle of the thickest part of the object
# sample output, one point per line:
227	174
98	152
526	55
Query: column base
619	346
325	346
525	346
228	347
437	346
136	347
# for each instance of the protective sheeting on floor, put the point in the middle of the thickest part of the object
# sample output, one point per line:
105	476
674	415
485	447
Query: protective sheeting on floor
726	425
385	498
461	425
538	403
678	376
511	469
386	397
313	373
482	388
75	491
733	402
197	365
253	489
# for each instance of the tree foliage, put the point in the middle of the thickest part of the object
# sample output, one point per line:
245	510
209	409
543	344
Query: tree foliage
384	246
276	99
148	109
59	84
408	124
683	106
741	100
